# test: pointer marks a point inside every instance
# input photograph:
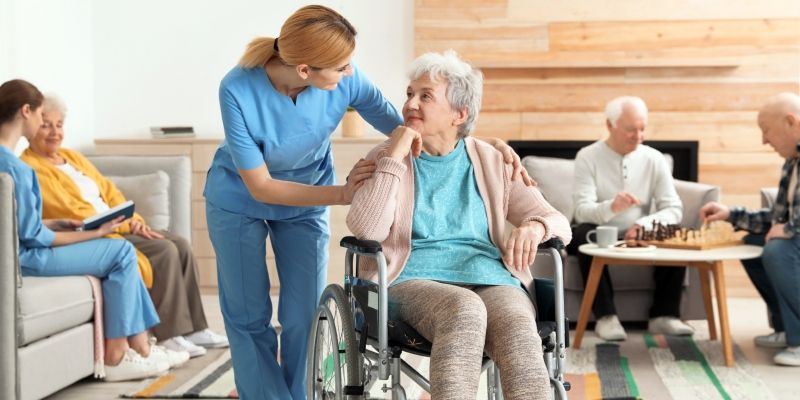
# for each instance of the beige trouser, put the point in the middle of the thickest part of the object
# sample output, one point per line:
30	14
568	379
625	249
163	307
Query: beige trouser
175	292
462	322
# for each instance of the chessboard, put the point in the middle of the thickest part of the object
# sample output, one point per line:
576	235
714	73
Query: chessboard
710	236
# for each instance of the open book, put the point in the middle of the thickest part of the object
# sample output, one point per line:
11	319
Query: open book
96	221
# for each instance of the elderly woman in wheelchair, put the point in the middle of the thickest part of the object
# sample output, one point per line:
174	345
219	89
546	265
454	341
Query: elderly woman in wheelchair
437	204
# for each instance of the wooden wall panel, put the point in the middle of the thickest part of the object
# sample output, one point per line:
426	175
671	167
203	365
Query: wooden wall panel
660	97
627	10
657	35
704	70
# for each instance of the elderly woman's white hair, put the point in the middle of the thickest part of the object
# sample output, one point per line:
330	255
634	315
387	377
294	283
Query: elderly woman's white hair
54	103
464	83
614	108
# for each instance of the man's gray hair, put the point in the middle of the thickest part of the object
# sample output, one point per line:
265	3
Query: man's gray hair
614	108
464	83
54	103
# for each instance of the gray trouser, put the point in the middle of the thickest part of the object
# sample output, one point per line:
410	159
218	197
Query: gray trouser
175	291
462	322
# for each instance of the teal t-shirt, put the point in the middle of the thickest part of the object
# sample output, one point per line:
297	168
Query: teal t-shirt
450	231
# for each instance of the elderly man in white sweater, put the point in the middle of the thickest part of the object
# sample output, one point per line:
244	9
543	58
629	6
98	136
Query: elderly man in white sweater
618	181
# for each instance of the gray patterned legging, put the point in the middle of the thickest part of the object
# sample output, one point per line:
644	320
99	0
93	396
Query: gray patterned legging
463	321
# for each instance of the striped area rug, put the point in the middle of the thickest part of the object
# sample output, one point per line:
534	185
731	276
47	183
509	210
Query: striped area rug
660	367
214	381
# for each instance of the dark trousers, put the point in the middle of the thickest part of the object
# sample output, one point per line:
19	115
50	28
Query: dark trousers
668	280
758	275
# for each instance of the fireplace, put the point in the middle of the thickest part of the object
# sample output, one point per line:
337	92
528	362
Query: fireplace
684	153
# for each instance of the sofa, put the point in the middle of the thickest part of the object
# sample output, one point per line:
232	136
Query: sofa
46	342
633	286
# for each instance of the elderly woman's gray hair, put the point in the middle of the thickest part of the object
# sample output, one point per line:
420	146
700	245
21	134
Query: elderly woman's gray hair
464	83
54	103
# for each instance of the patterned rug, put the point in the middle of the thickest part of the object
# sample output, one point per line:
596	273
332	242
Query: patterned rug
213	381
645	366
660	367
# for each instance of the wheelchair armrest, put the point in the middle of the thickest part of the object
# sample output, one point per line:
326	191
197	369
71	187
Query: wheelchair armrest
554	243
360	246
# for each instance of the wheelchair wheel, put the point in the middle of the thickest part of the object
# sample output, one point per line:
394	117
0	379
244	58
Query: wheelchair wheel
332	342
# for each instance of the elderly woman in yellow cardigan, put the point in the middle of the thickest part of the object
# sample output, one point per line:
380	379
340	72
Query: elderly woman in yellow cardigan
73	188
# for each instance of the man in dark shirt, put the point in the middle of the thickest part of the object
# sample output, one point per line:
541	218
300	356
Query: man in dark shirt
776	275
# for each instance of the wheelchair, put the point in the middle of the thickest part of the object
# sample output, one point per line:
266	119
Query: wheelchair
353	316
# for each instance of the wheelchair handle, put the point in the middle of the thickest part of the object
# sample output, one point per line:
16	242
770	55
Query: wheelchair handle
360	246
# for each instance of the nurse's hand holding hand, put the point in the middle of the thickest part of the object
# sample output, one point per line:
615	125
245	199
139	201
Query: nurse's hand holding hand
404	140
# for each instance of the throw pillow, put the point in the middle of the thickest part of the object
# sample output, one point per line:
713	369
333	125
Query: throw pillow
554	176
150	192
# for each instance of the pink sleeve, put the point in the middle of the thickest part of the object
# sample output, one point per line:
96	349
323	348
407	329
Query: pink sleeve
373	208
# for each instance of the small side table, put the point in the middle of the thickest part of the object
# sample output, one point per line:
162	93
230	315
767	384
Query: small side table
706	261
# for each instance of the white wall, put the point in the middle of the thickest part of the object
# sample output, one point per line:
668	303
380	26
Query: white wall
49	44
123	66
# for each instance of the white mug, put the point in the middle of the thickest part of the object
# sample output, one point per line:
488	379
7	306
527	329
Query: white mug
606	236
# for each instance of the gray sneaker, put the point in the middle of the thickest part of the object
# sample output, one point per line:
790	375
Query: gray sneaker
774	340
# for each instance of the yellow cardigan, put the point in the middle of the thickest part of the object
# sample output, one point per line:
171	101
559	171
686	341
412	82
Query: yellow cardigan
61	197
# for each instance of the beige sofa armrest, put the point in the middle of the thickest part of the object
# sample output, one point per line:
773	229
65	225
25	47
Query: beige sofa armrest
9	282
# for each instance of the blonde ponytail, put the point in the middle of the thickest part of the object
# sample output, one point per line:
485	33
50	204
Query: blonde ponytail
258	52
314	35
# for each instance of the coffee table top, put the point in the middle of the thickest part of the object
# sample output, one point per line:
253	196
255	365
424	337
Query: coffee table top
741	252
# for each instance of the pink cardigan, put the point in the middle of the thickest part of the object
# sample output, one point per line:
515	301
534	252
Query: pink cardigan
382	209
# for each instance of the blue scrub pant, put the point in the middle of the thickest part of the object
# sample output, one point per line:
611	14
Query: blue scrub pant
776	276
127	308
301	257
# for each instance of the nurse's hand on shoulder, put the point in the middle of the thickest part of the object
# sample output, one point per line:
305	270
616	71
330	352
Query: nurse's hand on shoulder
404	140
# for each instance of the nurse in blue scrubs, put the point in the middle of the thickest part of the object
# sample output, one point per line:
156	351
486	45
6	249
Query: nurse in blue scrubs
54	248
272	177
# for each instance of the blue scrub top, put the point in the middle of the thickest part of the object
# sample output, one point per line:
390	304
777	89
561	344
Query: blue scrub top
33	235
293	139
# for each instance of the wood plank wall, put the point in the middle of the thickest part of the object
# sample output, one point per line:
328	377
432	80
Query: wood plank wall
704	68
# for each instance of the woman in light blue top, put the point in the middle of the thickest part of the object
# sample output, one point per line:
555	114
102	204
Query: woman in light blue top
53	248
272	176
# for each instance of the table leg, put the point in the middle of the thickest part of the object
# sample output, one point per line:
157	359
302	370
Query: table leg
598	263
705	285
722	306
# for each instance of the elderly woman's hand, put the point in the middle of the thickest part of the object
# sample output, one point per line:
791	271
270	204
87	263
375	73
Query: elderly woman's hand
141	229
404	140
522	245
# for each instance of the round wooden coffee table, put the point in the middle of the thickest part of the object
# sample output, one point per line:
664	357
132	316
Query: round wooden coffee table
706	261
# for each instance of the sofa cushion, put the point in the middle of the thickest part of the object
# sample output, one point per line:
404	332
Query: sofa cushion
49	305
768	196
554	176
150	192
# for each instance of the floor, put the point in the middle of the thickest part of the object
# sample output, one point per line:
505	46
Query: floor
748	318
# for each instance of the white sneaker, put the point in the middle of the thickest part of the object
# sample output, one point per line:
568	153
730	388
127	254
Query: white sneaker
774	340
669	326
134	366
172	357
207	338
609	328
790	357
179	343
